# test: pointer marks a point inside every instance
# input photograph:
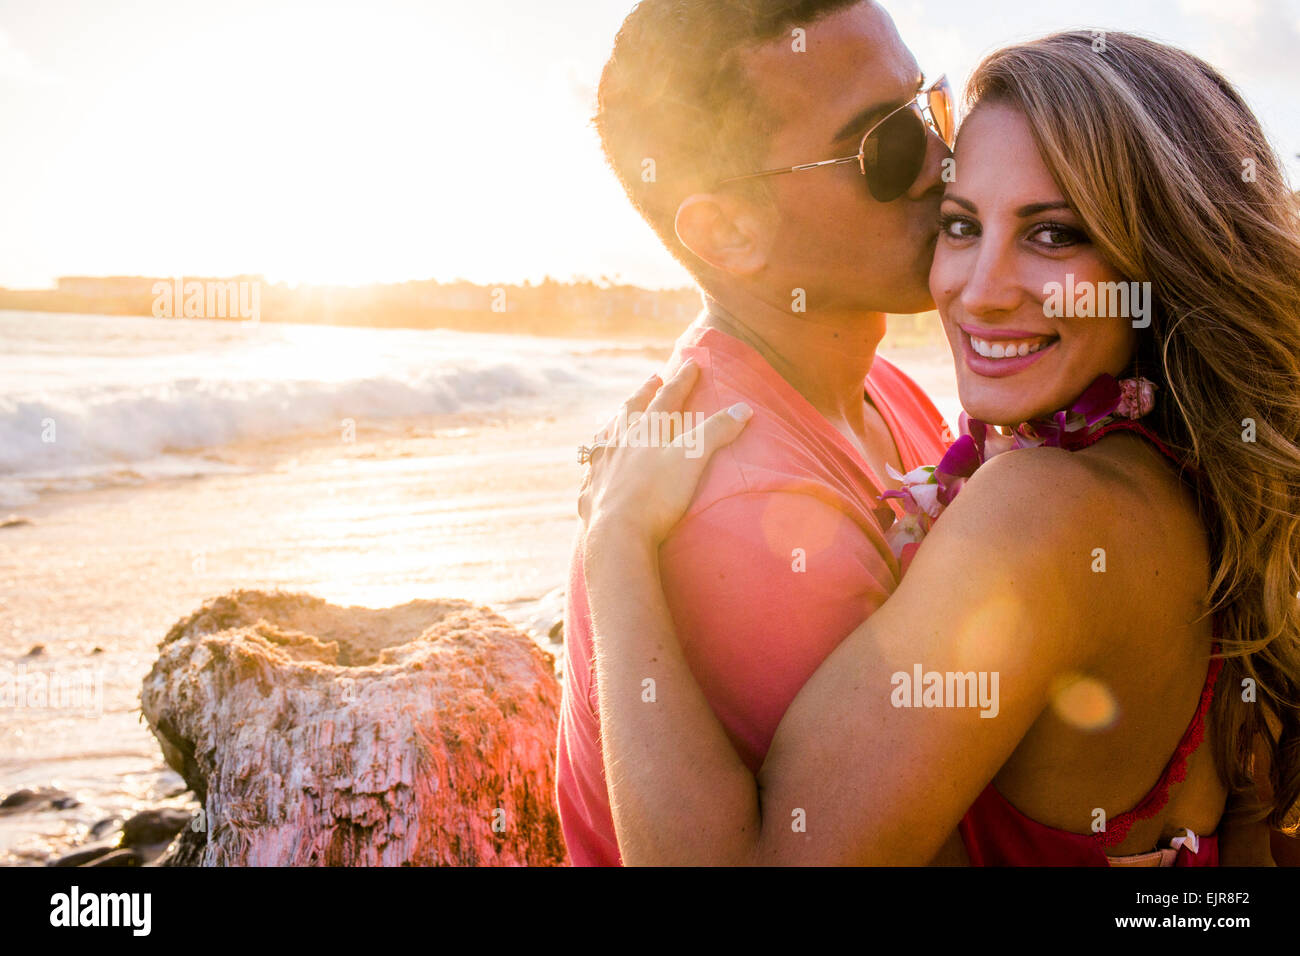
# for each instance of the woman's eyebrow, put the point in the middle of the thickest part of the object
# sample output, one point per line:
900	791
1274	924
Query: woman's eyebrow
1024	212
1033	209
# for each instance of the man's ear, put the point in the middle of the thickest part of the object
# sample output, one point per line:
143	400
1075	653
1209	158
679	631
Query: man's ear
726	232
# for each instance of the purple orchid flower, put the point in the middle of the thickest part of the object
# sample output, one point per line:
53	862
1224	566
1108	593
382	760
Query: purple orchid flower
1065	428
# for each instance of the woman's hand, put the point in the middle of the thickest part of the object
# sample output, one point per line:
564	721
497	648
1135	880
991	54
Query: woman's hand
643	481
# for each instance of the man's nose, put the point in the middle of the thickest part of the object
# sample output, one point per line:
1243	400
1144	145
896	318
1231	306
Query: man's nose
932	178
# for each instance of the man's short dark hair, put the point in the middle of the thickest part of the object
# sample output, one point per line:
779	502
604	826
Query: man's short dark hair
675	110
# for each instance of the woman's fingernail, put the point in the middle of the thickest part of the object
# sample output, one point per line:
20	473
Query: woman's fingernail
740	412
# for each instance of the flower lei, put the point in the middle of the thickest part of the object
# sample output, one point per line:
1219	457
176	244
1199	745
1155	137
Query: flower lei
928	490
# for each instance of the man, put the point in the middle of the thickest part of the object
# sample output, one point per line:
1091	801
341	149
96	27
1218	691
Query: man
783	552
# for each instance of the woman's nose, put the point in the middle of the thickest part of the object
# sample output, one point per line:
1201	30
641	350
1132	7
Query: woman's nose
992	285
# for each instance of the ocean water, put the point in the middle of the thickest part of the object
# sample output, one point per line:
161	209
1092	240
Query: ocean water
92	400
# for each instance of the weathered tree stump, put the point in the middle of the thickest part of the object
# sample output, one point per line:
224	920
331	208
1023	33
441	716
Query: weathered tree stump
322	735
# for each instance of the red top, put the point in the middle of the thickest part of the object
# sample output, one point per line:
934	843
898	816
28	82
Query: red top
997	834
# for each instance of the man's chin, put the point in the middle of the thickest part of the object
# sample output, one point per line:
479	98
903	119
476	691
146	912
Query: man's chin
913	304
917	298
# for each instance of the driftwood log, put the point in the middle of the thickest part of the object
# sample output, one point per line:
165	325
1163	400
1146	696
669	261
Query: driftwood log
314	734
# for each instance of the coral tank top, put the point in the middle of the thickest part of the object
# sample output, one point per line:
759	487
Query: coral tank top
995	833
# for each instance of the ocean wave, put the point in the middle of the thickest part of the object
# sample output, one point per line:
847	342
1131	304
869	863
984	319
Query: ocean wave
53	432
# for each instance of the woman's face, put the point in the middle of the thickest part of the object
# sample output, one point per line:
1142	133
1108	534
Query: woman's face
1007	233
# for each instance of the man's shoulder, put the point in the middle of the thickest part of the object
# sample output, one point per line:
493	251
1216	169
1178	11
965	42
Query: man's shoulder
786	448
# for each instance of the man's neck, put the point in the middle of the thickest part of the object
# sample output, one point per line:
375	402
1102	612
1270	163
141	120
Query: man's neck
825	358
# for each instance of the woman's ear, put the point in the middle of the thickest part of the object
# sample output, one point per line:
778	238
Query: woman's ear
725	232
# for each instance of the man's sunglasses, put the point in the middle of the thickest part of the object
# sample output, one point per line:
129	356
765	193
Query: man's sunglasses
893	151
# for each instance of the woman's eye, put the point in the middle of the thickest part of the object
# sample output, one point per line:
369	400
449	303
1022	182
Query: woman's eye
958	227
1056	236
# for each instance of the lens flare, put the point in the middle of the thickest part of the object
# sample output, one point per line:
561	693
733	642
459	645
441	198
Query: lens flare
1084	702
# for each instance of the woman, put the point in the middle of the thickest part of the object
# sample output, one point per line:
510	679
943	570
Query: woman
1122	593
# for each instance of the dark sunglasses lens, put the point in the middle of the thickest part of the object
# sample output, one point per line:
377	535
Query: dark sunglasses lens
894	154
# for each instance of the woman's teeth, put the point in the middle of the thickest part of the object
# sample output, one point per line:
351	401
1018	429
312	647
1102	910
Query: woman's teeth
1012	349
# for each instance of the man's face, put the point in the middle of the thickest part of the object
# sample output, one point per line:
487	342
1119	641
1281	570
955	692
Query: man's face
831	238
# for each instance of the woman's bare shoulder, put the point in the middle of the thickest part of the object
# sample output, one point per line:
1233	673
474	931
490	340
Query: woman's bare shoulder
1121	484
1107	528
1042	494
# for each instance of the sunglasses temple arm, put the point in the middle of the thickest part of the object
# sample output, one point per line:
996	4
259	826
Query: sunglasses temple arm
791	169
825	162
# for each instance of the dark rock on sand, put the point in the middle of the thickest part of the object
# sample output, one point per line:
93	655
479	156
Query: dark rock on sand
117	858
85	855
42	798
14	521
17	799
103	826
36	651
154	826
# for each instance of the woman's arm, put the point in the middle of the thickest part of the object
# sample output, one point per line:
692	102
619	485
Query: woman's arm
678	791
645	686
851	777
1001	591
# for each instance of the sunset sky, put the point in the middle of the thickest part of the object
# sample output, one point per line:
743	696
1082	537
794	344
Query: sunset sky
399	139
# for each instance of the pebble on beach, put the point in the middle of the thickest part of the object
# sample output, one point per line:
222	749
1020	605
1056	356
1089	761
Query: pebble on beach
154	826
42	798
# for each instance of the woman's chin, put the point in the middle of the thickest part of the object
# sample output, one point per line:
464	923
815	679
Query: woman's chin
994	412
1011	400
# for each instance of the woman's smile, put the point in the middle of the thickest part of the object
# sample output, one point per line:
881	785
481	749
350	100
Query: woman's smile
997	353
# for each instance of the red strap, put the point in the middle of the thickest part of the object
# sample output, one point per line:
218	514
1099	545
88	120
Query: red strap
1124	424
1175	771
